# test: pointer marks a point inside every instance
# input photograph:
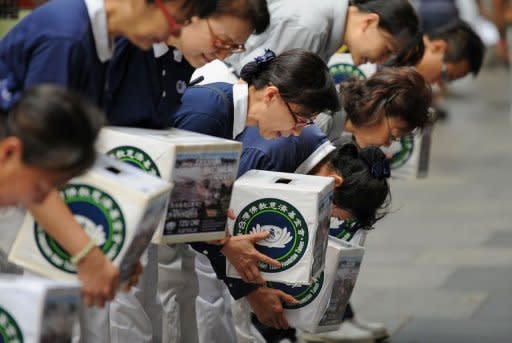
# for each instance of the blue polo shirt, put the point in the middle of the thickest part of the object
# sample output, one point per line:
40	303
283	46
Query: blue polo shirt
207	109
284	154
145	87
53	44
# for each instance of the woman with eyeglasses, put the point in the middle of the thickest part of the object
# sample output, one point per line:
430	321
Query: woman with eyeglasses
68	42
145	87
278	95
393	102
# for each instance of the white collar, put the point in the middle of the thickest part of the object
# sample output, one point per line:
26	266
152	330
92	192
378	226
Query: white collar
160	49
240	102
316	157
98	18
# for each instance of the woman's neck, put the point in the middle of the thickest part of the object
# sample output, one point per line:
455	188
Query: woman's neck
254	106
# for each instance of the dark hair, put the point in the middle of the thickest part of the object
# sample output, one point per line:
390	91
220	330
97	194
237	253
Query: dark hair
300	75
463	44
399	19
254	12
57	128
200	8
364	193
393	92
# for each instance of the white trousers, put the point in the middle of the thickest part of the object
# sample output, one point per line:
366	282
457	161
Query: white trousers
134	316
213	306
178	288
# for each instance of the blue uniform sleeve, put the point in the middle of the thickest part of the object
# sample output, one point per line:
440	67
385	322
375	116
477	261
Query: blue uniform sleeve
198	122
254	158
55	61
204	111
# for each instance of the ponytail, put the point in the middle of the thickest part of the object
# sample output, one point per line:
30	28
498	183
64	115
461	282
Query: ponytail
301	77
365	191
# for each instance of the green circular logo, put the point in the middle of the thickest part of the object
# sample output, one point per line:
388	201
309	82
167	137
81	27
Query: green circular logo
304	294
288	238
10	332
97	213
404	154
135	157
342	71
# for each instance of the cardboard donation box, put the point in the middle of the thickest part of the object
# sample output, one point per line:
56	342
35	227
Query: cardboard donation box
202	169
35	310
296	210
411	155
117	205
322	304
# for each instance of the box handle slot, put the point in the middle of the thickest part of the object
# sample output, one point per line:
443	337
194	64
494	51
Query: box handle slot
113	170
283	180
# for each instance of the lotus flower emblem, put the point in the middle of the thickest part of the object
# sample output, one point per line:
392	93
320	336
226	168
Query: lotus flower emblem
278	237
94	231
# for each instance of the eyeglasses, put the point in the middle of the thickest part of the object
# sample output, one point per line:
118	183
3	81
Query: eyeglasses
299	119
224	44
173	24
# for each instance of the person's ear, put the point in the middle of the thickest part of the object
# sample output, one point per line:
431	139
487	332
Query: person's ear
438	46
270	93
338	180
370	20
10	147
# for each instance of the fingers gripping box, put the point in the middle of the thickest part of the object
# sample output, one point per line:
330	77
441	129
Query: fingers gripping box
295	209
322	304
34	310
202	169
117	204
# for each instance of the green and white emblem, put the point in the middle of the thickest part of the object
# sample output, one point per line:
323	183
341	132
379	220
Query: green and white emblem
342	71
403	155
99	215
288	239
10	332
135	157
303	294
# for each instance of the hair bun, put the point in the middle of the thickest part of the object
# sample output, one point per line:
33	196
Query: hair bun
376	161
260	63
346	147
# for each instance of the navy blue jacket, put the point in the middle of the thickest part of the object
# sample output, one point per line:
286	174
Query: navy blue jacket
53	44
143	90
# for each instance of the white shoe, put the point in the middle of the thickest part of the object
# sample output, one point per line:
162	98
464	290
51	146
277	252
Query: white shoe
378	330
347	333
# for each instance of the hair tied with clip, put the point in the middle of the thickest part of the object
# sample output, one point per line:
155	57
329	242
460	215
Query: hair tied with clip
381	169
262	60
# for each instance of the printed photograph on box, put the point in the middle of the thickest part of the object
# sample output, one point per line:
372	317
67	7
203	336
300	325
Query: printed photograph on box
142	238
322	234
59	316
200	198
344	283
